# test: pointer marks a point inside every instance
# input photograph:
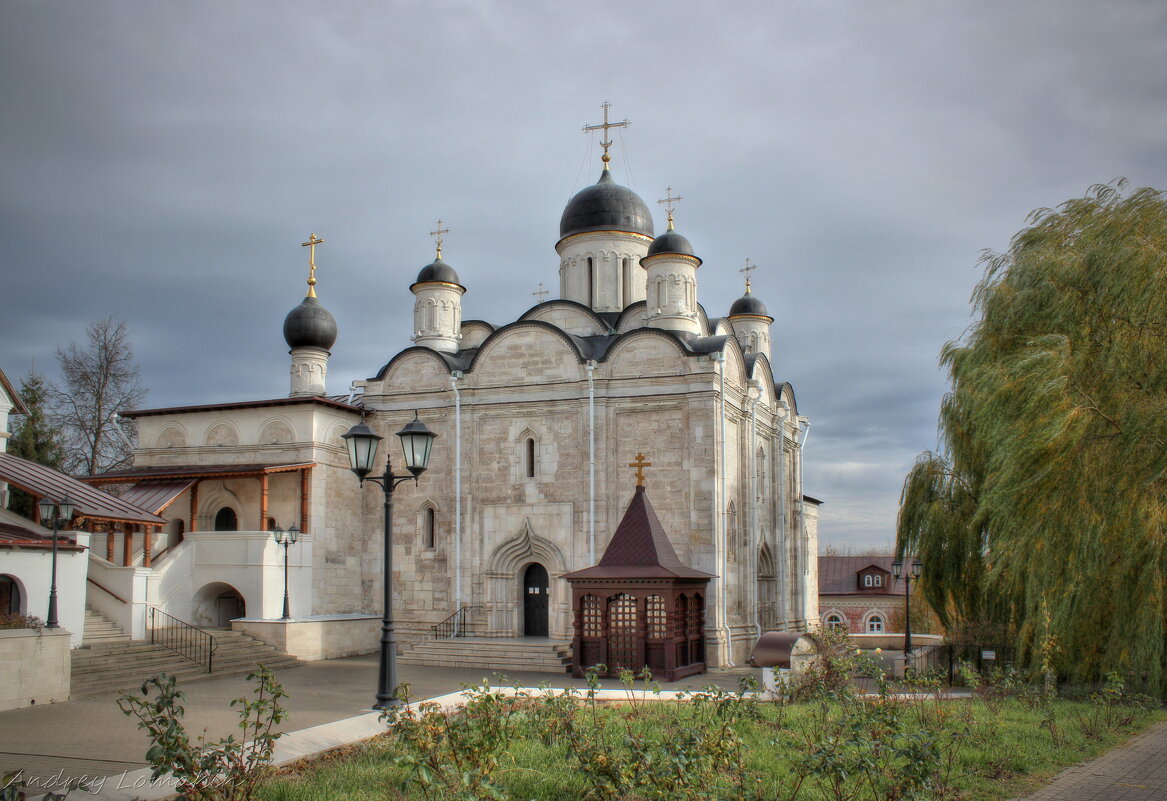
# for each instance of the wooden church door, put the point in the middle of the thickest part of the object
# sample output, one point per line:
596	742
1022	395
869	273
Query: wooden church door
535	593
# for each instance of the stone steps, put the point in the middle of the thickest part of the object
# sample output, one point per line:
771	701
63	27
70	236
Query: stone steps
108	667
100	629
501	655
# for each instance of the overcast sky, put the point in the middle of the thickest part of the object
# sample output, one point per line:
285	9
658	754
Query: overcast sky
164	160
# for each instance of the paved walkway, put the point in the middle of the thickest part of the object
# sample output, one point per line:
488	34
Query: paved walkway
1134	771
91	737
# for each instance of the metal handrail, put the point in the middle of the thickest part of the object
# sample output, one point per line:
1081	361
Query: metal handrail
181	637
106	590
454	625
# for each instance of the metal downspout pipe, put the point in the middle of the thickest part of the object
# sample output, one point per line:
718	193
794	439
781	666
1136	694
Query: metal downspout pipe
454	376
805	425
753	466
719	520
591	368
783	556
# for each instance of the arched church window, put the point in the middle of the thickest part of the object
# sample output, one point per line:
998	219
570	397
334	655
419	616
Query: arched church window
226	520
760	485
835	622
429	535
530	461
867	580
875	624
591	283
626	282
731	532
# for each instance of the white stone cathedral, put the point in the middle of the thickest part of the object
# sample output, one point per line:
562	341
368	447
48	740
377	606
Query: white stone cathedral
537	420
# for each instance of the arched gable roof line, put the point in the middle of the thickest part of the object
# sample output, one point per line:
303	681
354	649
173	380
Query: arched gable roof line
638	307
468	323
449	361
614	343
759	367
572	304
578	345
785	388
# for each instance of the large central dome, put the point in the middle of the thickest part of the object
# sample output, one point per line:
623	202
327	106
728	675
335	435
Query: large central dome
605	206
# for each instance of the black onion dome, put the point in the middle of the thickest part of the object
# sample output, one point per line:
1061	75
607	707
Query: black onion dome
748	304
605	206
438	271
310	325
670	242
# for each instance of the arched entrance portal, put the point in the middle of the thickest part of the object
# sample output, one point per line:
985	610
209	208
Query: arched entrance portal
535	595
217	604
11	599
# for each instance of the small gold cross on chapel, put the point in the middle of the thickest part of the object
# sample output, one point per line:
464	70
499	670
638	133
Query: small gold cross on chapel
640	464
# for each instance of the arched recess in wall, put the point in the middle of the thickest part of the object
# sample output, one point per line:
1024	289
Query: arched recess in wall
171	436
222	435
276	432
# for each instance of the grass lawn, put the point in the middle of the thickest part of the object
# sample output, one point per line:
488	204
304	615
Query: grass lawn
718	745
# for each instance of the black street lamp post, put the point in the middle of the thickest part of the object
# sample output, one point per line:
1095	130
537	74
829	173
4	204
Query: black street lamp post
52	510
416	441
287	539
913	573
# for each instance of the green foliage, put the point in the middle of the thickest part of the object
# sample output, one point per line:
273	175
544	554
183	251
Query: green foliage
228	769
15	620
34	437
901	742
1052	477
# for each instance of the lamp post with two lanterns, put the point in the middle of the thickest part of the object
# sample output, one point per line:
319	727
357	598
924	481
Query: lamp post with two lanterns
912	573
287	539
55	511
416	441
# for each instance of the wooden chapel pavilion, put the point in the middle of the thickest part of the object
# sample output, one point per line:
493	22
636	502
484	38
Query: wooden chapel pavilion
640	606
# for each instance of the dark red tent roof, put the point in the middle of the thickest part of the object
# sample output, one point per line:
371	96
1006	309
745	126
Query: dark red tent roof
640	548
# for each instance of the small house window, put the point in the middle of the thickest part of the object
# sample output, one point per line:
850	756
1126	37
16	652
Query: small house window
834	622
429	534
877	581
530	457
875	624
867	580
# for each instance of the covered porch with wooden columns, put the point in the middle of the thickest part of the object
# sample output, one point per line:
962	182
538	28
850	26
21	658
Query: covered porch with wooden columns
157	488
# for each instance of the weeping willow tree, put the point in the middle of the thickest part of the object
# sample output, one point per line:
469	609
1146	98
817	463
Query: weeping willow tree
1050	478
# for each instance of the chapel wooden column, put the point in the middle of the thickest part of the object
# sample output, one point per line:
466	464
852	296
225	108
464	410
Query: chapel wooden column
128	546
194	507
109	535
263	501
305	505
147	535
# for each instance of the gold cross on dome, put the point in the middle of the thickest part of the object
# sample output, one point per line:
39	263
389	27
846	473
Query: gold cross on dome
749	268
669	199
640	464
541	293
605	142
437	234
311	244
